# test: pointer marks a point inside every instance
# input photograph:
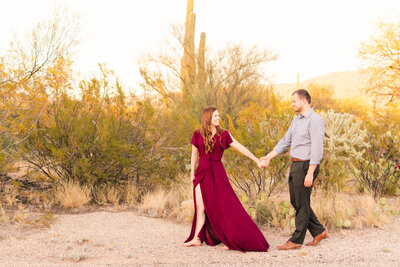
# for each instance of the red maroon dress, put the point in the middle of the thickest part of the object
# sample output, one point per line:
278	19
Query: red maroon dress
226	219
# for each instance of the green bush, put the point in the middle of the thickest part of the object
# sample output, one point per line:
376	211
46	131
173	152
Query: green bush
258	129
98	138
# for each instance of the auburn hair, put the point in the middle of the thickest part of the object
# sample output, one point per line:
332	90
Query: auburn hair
205	129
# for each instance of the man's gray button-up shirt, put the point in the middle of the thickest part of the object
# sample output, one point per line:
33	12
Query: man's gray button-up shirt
305	137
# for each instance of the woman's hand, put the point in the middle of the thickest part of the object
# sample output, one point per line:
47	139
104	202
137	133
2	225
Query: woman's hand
192	176
259	163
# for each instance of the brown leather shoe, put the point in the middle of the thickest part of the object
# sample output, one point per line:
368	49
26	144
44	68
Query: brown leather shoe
288	245
318	238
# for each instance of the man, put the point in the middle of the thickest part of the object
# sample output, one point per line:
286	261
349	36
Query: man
305	137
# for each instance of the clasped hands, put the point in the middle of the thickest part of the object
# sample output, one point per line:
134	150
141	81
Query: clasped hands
263	162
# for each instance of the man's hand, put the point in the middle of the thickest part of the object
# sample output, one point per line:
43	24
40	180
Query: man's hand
264	162
308	181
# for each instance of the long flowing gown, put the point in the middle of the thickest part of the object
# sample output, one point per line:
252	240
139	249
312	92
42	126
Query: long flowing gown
226	219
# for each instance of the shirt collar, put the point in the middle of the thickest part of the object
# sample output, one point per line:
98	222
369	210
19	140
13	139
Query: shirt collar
307	114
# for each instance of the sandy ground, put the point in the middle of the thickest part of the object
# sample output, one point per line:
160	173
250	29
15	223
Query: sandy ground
106	238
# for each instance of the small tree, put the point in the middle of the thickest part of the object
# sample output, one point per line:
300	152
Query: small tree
322	97
380	58
27	74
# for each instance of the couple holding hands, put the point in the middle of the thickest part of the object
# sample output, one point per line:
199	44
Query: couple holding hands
219	216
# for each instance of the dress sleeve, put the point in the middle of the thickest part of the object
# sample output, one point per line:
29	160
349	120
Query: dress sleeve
195	139
227	140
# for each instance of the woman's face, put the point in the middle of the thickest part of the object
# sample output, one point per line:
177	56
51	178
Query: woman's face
215	118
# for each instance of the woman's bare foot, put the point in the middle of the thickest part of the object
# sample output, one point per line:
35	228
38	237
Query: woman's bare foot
224	248
195	242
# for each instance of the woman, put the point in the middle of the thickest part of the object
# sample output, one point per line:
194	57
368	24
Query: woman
219	215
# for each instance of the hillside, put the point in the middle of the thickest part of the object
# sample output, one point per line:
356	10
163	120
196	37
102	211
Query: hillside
345	84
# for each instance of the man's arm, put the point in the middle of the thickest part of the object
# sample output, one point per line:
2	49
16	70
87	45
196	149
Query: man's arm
281	147
317	133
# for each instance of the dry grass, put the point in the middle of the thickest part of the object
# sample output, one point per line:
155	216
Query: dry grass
131	194
101	195
72	195
10	196
20	215
4	217
113	195
108	194
353	210
174	203
339	210
157	203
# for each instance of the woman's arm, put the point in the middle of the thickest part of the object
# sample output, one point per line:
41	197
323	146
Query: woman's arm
193	161
239	147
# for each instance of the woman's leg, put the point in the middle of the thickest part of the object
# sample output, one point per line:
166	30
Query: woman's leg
201	217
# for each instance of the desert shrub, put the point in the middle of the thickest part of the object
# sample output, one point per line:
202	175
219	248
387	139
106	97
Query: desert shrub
98	138
259	130
377	172
344	143
273	213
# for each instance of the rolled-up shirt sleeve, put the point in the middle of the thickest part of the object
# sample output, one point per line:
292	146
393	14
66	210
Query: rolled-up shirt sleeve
285	142
317	133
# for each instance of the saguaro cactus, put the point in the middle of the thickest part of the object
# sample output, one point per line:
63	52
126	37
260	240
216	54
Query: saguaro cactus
201	75
188	67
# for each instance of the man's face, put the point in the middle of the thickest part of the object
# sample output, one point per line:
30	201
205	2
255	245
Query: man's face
298	103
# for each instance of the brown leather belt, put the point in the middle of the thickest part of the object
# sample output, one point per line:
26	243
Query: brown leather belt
295	159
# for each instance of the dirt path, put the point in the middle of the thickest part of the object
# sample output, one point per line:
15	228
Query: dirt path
127	239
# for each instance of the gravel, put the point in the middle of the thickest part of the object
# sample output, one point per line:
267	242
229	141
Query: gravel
127	239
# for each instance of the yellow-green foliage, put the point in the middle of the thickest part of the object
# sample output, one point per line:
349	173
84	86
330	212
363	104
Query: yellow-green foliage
98	138
258	129
376	171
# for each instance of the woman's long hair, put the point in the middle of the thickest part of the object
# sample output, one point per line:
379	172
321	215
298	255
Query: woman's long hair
205	129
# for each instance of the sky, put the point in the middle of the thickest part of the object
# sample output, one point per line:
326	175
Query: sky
310	37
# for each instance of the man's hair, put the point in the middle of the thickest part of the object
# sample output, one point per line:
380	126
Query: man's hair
302	93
